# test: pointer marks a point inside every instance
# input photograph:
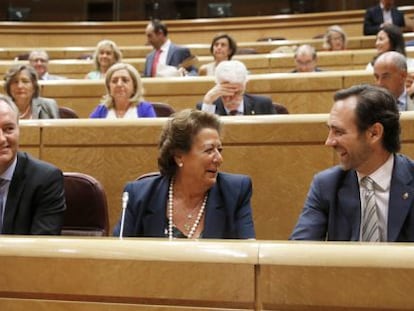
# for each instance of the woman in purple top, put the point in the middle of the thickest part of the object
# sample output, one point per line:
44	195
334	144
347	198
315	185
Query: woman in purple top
124	98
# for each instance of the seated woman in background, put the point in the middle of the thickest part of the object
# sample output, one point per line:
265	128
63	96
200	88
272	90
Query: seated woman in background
124	95
390	38
106	54
223	47
22	86
334	39
190	198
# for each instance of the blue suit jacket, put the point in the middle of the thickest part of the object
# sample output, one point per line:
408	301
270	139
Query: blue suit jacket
332	209
374	18
252	105
176	55
228	211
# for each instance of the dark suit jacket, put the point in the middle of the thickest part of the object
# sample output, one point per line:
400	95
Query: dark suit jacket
176	55
253	104
374	18
332	209
228	211
35	202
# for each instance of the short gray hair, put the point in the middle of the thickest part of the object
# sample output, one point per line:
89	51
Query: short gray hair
232	71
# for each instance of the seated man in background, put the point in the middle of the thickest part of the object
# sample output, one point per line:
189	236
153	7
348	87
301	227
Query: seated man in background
228	96
167	59
39	60
306	59
390	72
32	197
369	197
381	14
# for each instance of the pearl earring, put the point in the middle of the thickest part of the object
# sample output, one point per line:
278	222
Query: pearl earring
180	164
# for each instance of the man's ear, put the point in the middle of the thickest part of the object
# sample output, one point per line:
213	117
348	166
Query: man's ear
375	132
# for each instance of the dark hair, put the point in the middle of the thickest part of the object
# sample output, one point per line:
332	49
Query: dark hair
232	43
14	71
158	26
178	134
375	104
396	38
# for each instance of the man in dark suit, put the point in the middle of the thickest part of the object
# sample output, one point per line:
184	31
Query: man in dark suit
39	60
166	53
31	191
364	130
227	97
381	14
390	72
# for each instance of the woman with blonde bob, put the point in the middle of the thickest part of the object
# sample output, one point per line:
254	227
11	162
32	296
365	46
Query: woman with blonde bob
334	39
124	95
106	54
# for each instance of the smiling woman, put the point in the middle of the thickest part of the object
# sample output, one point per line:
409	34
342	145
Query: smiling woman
190	198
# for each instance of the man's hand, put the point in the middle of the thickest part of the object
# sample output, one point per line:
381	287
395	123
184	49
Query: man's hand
222	89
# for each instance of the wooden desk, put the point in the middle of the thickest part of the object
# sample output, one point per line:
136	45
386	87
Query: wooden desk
107	274
294	26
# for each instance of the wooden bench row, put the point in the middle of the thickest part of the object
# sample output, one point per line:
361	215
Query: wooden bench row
276	151
200	49
294	26
154	274
300	92
256	63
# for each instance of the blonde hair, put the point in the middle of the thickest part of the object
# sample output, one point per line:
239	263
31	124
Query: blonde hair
103	44
137	95
328	36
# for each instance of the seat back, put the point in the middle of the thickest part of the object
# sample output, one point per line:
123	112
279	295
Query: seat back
86	206
280	109
67	113
163	109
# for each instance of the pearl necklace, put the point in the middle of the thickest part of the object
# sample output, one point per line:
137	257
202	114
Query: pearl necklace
170	212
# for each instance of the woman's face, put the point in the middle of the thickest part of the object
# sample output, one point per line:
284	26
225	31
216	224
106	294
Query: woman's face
21	87
202	162
337	42
383	42
121	85
221	49
106	57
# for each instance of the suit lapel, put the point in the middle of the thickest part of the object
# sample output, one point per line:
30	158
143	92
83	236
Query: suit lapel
171	51
349	207
220	107
155	213
248	106
15	192
215	216
401	198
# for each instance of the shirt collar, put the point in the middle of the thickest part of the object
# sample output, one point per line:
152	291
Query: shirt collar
240	108
382	176
8	173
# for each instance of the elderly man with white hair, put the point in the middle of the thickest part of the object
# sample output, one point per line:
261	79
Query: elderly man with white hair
228	96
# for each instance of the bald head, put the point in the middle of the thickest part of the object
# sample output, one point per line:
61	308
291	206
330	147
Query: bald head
390	72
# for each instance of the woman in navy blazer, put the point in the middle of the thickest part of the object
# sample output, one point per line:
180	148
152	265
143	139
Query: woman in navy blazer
124	98
189	198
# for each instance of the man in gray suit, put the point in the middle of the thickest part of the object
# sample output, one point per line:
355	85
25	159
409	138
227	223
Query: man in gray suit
390	72
32	197
165	52
39	60
228	96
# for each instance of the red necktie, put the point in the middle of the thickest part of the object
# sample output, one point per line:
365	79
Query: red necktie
155	63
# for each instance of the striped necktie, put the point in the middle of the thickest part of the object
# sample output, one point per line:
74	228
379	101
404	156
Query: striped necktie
370	228
3	183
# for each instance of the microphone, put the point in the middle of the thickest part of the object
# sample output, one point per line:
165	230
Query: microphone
125	198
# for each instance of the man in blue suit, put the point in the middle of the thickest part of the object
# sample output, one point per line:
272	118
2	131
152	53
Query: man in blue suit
381	14
364	130
165	52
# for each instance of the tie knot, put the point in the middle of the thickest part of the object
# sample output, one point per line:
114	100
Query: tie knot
368	183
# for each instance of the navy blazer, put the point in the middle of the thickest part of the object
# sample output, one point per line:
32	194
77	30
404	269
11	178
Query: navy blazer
332	209
176	55
253	104
35	202
228	212
374	18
